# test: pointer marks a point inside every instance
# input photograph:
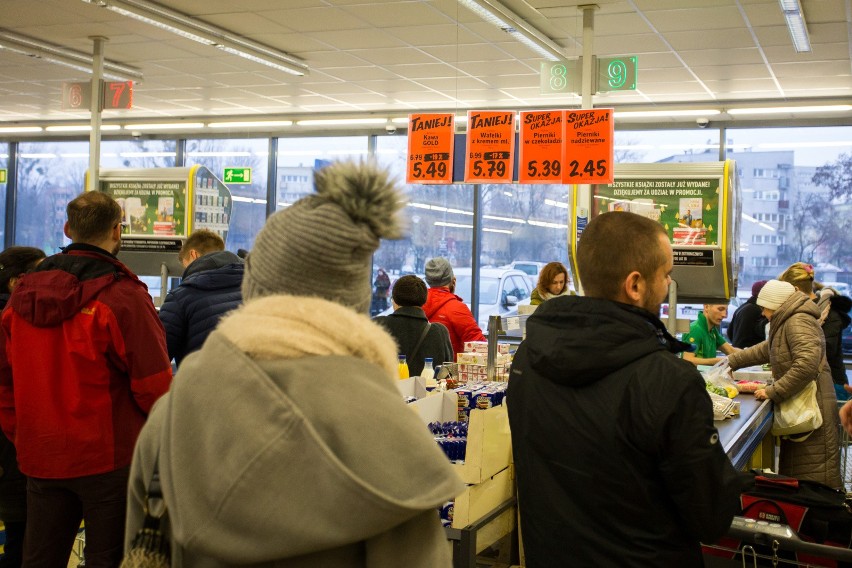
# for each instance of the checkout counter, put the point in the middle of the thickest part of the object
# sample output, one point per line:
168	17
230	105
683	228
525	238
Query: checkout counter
745	438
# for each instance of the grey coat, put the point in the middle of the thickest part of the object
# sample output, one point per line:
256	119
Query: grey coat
795	351
293	459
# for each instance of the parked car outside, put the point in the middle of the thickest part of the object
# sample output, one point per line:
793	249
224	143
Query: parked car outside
529	267
501	290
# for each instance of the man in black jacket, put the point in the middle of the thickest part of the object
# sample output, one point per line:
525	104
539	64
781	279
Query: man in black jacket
408	323
617	459
748	326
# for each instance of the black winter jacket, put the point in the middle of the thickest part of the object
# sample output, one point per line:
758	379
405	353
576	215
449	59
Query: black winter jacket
405	325
838	319
617	459
210	289
748	326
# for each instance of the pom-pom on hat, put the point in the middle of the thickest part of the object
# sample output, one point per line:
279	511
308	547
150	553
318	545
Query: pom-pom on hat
439	272
323	244
774	293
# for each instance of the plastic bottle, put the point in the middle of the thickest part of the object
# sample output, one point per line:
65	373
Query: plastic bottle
428	375
403	368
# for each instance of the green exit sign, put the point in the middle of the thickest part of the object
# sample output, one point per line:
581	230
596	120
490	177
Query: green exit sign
560	77
237	175
617	73
3	176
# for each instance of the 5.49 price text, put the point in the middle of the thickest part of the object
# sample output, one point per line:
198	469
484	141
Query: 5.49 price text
433	170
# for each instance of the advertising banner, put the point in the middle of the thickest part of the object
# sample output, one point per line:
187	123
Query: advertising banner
430	148
589	142
540	151
490	151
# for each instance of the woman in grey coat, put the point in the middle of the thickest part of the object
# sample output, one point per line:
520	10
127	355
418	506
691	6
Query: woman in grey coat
795	350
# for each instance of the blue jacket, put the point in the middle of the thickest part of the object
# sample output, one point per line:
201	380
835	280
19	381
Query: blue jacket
210	289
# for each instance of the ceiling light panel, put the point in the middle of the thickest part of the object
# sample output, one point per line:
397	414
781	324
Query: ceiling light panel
522	31
199	31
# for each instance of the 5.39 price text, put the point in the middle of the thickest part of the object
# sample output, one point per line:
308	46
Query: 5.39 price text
546	169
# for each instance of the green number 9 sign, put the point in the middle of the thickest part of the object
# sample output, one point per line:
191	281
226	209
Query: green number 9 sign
617	73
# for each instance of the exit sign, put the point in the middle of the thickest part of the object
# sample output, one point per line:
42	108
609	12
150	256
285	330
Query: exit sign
617	73
115	95
237	175
3	176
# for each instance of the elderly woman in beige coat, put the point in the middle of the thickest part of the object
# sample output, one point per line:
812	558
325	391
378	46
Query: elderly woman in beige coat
795	349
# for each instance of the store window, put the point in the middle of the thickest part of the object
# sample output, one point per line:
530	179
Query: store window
797	204
50	174
249	211
298	157
440	220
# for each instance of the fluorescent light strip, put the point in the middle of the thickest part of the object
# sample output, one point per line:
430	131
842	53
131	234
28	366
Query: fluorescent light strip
219	154
164	126
833	144
147	154
199	31
665	113
454	225
504	219
796	24
80	127
556	203
37	156
502	17
251	124
59	55
341	121
20	129
248	200
789	109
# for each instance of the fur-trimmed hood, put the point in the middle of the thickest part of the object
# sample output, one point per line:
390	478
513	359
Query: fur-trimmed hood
285	437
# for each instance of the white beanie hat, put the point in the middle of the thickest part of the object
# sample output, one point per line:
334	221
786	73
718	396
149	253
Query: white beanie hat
323	244
774	293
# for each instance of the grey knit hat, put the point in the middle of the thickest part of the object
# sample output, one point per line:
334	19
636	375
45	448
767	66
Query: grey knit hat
774	293
439	272
323	244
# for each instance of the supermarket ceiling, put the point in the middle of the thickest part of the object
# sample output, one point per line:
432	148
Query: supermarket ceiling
393	57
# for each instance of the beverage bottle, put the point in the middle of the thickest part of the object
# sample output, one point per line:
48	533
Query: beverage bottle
403	368
428	375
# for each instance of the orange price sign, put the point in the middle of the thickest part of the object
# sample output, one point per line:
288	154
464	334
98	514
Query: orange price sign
490	150
589	137
540	152
430	148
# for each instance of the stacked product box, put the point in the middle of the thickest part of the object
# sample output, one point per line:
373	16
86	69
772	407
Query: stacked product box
481	395
473	362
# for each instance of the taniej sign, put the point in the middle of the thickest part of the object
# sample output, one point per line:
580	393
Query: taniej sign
540	152
490	151
589	136
430	148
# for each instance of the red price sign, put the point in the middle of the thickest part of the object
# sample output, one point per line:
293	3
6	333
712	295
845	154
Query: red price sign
490	150
430	148
540	152
589	137
118	95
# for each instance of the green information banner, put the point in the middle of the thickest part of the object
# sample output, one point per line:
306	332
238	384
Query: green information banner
237	175
688	208
150	207
3	174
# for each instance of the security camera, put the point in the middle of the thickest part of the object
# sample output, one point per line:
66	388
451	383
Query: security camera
390	128
135	133
702	122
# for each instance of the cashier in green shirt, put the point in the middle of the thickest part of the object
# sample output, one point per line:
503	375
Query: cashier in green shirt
705	335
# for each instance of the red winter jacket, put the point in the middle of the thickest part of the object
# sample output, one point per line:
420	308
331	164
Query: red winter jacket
82	359
444	307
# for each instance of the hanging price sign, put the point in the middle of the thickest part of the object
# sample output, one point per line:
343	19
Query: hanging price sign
589	138
430	148
490	149
540	152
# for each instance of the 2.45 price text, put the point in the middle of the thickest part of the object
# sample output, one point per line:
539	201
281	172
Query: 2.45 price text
589	169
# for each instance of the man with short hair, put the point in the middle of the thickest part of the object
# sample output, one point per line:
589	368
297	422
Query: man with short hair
82	360
414	335
616	456
210	288
444	307
705	335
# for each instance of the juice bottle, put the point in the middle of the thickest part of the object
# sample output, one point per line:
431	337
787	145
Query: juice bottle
403	368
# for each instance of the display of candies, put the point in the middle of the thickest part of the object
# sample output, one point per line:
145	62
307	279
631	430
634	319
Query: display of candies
454	448
454	429
446	512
